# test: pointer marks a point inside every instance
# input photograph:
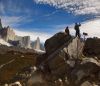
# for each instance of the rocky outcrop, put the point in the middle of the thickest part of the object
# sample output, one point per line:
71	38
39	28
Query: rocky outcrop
65	69
75	48
70	72
86	70
56	41
37	44
92	47
54	45
78	74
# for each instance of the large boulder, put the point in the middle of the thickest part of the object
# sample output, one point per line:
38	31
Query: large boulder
56	42
87	69
92	47
52	44
78	74
86	83
75	48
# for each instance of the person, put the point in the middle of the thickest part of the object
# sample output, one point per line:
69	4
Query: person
77	29
67	31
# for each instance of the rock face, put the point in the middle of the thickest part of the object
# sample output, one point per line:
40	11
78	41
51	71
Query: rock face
66	67
20	41
92	47
7	34
75	48
83	70
87	70
56	41
37	44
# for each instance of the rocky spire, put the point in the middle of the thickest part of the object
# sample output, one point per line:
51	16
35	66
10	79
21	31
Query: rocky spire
37	44
0	24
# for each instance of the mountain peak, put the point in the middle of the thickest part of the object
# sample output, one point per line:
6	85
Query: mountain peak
0	24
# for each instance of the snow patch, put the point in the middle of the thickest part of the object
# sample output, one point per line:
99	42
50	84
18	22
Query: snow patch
2	42
39	51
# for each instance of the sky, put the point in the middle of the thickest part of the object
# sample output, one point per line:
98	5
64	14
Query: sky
44	18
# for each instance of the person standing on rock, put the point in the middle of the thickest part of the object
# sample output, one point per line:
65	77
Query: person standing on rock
67	30
77	29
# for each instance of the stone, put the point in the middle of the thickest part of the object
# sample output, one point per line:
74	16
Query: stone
37	44
75	48
86	83
87	68
55	42
6	85
92	47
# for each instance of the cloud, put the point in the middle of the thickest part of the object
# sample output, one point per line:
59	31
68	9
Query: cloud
48	15
75	6
13	7
10	21
33	35
14	21
2	8
92	27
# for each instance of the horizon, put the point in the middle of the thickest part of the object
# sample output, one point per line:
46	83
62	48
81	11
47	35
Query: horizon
44	18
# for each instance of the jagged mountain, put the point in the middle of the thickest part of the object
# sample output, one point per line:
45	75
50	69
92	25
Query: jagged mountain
37	45
0	24
9	35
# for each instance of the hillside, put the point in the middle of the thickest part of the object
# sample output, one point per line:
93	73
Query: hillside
13	60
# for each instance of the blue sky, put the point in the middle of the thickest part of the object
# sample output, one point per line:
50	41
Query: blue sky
46	17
